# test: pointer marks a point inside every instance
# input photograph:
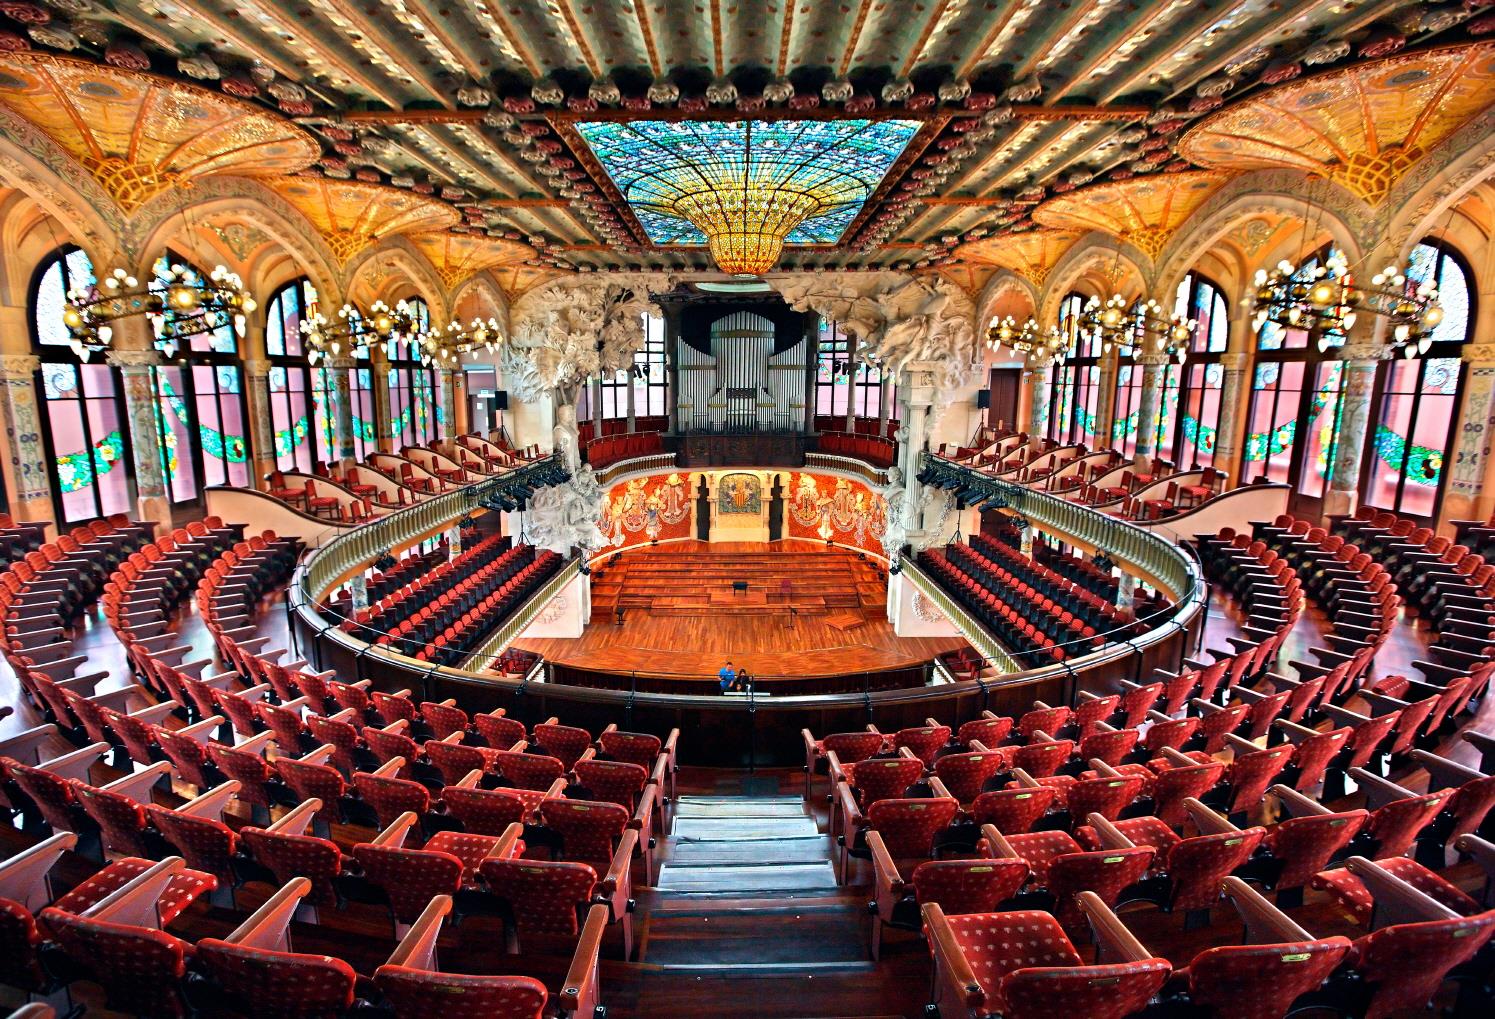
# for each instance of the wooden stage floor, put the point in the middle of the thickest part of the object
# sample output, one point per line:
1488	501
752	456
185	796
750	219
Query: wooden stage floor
681	616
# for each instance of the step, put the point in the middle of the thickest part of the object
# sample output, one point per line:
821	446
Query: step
737	809
723	829
738	879
692	852
773	938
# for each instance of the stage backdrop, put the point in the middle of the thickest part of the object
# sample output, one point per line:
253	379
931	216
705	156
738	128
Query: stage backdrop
823	506
657	506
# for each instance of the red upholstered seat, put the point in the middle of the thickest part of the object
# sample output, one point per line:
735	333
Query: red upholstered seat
1027	968
289	856
140	968
968	886
1305	844
484	811
1406	962
1260	981
613	781
422	994
411	878
564	742
264	984
589	829
390	797
965	774
183	890
1013	811
545	896
1350	892
633	747
499	732
883	778
923	741
471	849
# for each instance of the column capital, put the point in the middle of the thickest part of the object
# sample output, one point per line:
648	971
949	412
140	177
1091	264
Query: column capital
342	361
134	358
256	368
1235	360
1365	350
1473	353
18	366
1153	359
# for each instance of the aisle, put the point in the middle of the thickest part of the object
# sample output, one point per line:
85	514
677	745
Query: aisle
747	910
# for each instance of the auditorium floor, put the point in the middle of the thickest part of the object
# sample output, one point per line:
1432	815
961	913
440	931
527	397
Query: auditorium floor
681	617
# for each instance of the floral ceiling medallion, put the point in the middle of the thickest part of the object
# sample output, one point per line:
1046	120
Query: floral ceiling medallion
1031	255
139	134
351	215
1143	211
457	258
1362	126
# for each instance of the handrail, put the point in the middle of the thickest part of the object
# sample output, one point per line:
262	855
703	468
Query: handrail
488	652
347	554
972	631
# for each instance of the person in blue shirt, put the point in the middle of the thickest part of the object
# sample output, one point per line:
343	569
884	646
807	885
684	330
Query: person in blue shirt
728	677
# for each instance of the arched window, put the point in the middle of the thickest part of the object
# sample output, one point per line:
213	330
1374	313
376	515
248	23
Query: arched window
1296	406
1417	400
84	433
414	411
1076	384
200	410
303	415
1187	427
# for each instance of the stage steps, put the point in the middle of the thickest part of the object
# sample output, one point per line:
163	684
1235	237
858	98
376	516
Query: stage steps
668	582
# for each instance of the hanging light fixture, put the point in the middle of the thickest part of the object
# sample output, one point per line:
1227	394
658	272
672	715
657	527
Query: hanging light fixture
1145	326
354	331
1028	337
445	349
181	304
1324	300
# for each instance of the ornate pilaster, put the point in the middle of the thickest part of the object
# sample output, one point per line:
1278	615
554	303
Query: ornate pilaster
1036	381
1227	433
672	351
812	366
383	416
29	478
1153	368
137	375
447	378
1362	356
919	393
261	425
1469	495
342	415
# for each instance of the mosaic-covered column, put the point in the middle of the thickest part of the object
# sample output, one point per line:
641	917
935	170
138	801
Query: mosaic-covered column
1035	381
1105	404
137	375
1228	432
918	393
30	480
448	381
812	367
1362	356
261	425
1154	371
342	410
1469	495
379	372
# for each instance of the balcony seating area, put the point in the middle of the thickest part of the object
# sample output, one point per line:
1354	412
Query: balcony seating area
609	450
1038	615
441	615
825	423
876	451
619	426
268	792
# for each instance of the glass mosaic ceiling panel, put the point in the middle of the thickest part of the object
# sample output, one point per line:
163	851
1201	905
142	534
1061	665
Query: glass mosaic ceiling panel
655	164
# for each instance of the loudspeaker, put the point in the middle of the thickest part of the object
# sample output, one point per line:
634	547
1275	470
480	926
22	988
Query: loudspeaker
501	400
983	399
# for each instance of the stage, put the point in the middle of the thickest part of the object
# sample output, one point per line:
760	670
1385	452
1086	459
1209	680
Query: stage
806	611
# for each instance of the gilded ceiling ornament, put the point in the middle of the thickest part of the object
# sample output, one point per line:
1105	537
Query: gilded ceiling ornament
352	215
1144	212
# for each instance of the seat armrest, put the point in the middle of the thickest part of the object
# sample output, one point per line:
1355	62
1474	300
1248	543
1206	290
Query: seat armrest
417	949
135	903
392	837
947	951
1206	820
1107	834
1114	943
1265	923
296	821
1396	901
212	803
1295	804
23	877
1443	773
1379	791
268	928
137	786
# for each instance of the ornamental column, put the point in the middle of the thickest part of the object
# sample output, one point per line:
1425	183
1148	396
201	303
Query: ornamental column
917	394
812	366
1228	432
1362	355
379	370
263	454
448	380
632	409
1470	494
1035	382
136	360
1154	366
672	351
1105	402
884	404
342	410
26	475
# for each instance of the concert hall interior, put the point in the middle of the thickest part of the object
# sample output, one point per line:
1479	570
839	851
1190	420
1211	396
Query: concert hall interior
775	509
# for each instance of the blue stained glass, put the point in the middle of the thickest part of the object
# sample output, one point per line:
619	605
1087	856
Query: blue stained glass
842	161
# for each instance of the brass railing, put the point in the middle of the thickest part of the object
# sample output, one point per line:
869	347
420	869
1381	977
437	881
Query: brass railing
488	652
972	631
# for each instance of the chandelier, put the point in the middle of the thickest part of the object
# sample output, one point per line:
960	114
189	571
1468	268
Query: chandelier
1323	300
746	224
1043	345
445	349
180	304
354	331
1144	327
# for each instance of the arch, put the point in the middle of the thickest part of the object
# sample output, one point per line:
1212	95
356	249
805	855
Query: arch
32	162
482	288
1442	179
1095	250
159	218
1004	281
409	267
1346	218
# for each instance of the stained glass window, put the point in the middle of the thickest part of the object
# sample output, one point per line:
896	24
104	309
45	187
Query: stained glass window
1188	427
302	416
1418	400
1076	386
361	393
833	370
1128	400
651	381
222	340
654	163
414	410
83	430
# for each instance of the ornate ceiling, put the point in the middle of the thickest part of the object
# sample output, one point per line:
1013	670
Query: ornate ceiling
468	114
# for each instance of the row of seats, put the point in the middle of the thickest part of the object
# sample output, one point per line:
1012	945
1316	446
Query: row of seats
231	762
610	449
826	423
876	451
398	605
1090	593
17	539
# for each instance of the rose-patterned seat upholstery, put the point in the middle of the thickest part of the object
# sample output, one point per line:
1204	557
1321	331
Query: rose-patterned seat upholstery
566	743
544	896
484	811
613	781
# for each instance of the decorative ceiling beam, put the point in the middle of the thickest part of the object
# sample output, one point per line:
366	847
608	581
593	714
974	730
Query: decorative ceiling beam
525	203
1117	41
1051	38
1004	18
917	49
641	15
398	55
574	27
1024	112
493	10
863	9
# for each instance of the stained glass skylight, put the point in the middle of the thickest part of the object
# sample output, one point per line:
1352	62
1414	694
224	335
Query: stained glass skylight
822	170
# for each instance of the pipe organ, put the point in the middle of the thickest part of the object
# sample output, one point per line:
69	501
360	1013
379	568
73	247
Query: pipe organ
741	368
